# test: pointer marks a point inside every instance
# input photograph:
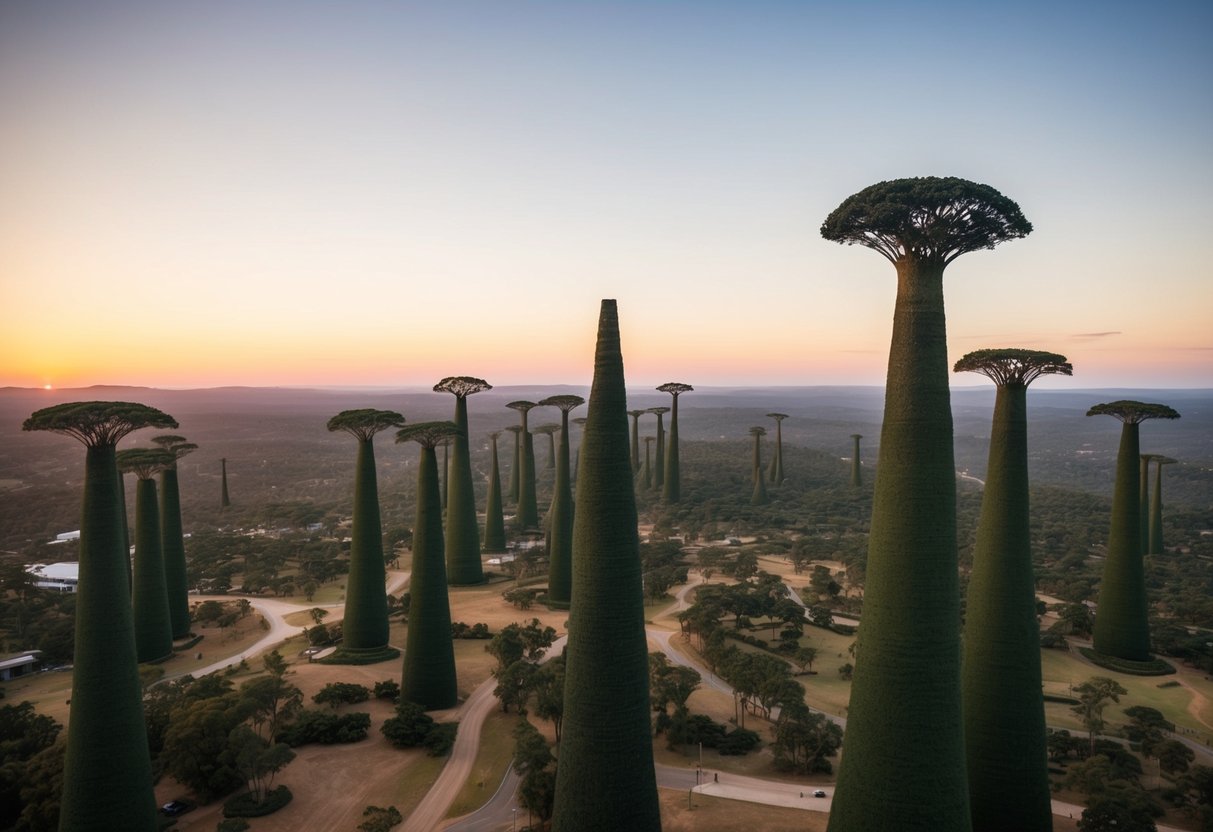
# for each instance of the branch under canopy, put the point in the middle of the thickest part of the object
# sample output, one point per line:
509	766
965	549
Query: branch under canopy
546	429
521	406
1132	413
758	431
675	387
658	410
176	445
1014	366
363	424
428	434
778	417
564	403
145	463
928	218
98	423
462	386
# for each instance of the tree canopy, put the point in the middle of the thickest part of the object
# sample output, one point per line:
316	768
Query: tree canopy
1132	413
98	423
145	463
462	386
1013	366
364	423
427	434
565	403
675	387
926	218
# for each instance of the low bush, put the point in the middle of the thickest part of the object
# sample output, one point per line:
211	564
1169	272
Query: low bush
1153	667
325	728
342	693
244	806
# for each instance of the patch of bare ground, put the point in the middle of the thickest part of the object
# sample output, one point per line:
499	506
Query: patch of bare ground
714	814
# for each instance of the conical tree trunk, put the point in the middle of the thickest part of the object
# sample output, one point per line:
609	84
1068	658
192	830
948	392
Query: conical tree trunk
1156	546
1143	503
606	779
647	476
516	469
494	518
365	626
759	495
125	530
463	565
905	696
172	539
635	442
659	455
1004	718
856	478
224	500
429	656
1121	625
528	507
107	772
672	480
777	460
560	549
153	622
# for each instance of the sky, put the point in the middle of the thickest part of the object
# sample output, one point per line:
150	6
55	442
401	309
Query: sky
197	194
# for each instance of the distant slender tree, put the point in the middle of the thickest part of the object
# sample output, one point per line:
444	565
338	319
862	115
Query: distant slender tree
107	771
125	532
428	678
777	459
647	474
528	509
580	422
516	465
659	456
606	779
172	534
856	479
365	627
759	495
1122	627
550	431
1156	546
636	414
560	548
672	479
149	593
494	518
224	500
898	715
1004	716
446	471
463	566
1143	501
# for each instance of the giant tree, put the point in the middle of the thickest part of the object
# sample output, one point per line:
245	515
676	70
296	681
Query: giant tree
494	518
365	628
224	500
172	535
149	592
1143	501
1004	717
528	509
1121	625
646	474
605	779
672	478
516	465
636	414
856	479
550	431
107	772
777	458
906	691
659	455
759	495
1156	547
580	422
560	549
428	677
463	565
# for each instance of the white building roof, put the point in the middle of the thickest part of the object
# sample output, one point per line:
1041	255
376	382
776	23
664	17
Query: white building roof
55	571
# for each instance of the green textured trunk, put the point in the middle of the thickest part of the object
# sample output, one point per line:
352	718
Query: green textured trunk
366	626
107	775
224	500
647	476
560	549
494	518
605	778
672	481
1143	502
777	460
516	469
1121	626
903	761
463	566
759	495
635	443
153	622
856	479
429	655
1004	717
446	475
528	508
125	530
1156	547
659	456
172	538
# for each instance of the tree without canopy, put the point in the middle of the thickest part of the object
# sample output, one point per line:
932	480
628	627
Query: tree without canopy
636	414
900	715
560	550
365	627
1004	718
1143	501
224	500
856	479
672	478
528	509
550	431
1122	627
172	535
606	779
428	678
659	455
516	465
149	591
494	518
580	422
647	474
1156	546
777	459
759	495
107	772
463	566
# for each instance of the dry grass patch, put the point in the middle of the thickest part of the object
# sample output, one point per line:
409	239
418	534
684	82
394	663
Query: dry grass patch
715	814
493	759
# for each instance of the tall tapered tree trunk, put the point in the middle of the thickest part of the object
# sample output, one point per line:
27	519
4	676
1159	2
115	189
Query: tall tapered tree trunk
494	518
173	545
366	624
560	557
1156	546
905	697
516	469
605	779
125	530
759	495
856	476
224	499
153	622
635	442
659	454
463	565
777	459
528	507
1004	717
1143	486
671	481
429	656
107	773
1121	625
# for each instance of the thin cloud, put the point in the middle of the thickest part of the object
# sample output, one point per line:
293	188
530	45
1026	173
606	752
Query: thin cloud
1095	334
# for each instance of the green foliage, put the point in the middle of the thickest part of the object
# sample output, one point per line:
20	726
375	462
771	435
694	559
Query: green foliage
23	735
380	820
245	805
386	689
325	728
1152	667
413	728
804	740
516	642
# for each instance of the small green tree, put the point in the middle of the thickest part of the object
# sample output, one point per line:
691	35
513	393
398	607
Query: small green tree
172	536
1094	696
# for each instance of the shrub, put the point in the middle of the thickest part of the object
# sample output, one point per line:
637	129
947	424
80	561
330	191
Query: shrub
342	693
738	742
325	728
387	689
244	806
412	727
379	820
441	738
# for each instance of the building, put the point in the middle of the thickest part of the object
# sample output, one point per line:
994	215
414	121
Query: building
61	577
19	664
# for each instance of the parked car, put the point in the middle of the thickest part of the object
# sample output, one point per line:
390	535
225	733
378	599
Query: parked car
819	793
176	807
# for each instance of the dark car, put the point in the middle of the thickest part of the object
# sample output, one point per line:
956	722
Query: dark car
176	807
819	793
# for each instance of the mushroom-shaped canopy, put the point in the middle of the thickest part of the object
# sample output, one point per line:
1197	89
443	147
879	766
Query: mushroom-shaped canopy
145	463
546	429
1132	413
428	434
98	423
1014	366
778	417
462	386
675	387
364	423
565	402
515	429
522	406
176	445
758	430
658	410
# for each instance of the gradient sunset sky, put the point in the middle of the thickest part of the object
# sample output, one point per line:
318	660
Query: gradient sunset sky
196	194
